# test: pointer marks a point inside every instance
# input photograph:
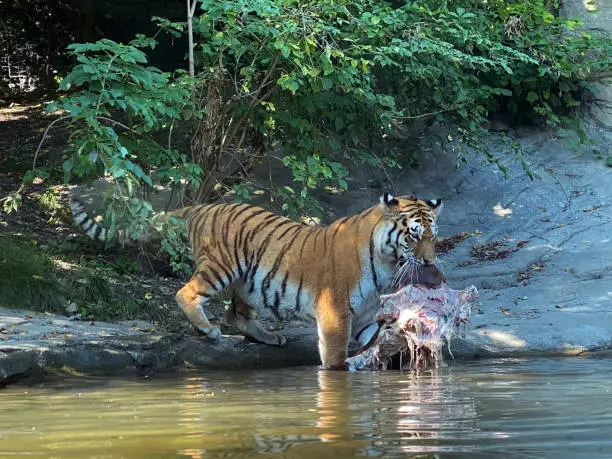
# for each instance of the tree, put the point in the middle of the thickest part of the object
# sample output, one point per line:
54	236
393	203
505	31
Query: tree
310	84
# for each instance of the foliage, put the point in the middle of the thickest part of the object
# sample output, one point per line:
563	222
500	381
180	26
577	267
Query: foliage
118	84
33	35
324	81
308	175
568	59
175	244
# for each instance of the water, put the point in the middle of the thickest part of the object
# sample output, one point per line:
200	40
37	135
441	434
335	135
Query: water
502	408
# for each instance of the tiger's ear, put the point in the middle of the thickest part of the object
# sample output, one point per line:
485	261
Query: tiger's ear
435	205
389	202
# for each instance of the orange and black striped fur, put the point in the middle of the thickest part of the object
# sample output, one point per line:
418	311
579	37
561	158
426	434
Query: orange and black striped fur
332	274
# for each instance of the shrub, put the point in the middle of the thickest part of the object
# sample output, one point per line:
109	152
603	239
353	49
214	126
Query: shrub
322	80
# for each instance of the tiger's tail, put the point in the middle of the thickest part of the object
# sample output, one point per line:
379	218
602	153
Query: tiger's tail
98	232
87	224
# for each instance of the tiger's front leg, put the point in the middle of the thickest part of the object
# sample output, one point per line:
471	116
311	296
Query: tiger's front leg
193	297
333	325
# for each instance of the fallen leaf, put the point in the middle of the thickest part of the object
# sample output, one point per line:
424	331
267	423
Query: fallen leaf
500	211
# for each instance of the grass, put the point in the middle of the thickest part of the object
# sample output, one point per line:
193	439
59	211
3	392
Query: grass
27	277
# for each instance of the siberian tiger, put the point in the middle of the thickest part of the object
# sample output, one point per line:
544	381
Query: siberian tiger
333	275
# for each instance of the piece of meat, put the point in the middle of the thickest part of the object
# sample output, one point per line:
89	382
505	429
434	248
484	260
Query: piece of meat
412	325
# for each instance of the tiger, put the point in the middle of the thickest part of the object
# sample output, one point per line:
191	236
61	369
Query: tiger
272	265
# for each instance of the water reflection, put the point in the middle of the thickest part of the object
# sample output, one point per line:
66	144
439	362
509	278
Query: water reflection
525	408
366	414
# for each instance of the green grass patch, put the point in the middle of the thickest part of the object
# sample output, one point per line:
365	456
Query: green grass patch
100	293
27	277
128	309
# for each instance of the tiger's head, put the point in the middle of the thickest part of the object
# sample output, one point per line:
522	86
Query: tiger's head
410	229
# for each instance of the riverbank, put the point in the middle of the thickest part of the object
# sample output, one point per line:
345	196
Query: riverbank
539	252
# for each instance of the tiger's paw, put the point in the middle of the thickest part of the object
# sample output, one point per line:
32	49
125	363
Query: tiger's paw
343	366
269	338
212	333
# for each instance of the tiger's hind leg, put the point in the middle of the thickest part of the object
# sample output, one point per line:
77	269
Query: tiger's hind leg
193	297
243	316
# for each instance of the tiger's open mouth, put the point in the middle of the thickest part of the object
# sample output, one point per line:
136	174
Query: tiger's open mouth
419	274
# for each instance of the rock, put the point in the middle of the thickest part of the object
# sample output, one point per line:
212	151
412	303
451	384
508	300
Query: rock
72	308
559	249
38	345
550	293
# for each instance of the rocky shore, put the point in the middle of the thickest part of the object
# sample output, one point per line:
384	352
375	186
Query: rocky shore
539	252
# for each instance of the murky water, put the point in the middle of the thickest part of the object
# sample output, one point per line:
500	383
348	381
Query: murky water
506	408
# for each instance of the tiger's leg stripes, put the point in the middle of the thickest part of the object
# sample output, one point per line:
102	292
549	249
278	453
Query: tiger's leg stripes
193	297
243	316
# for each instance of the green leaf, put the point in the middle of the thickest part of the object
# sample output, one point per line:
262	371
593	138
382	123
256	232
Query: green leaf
532	97
67	165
